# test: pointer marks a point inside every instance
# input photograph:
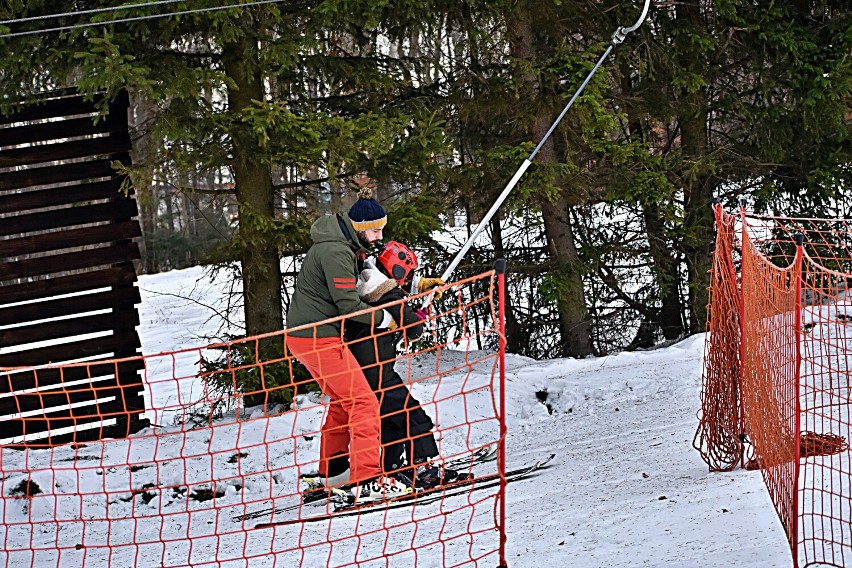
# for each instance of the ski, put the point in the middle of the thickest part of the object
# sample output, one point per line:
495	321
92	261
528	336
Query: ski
481	455
421	497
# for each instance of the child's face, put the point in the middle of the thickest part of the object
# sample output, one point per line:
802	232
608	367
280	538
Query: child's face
406	282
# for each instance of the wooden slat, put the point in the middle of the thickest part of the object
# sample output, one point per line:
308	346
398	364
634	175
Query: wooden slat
65	173
67	195
52	108
118	298
59	240
118	209
117	143
28	402
55	130
117	343
123	275
70	327
14	381
63	419
69	261
125	425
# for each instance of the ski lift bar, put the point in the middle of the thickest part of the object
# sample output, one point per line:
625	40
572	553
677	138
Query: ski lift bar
617	37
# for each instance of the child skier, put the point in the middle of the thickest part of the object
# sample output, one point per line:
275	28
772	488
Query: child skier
408	445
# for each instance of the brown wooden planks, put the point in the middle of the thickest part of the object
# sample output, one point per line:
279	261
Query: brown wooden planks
119	343
77	394
44	153
120	275
65	228
126	424
69	261
58	240
69	327
13	381
65	418
55	130
54	107
116	210
118	298
68	195
64	173
34	401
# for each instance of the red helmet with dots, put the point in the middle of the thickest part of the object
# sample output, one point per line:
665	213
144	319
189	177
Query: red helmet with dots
398	260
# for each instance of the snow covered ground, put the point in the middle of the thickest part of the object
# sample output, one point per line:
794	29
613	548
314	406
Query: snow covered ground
626	488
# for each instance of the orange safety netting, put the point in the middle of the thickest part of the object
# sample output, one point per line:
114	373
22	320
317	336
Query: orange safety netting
792	362
208	484
718	436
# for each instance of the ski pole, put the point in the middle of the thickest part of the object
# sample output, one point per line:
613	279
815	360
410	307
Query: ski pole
617	37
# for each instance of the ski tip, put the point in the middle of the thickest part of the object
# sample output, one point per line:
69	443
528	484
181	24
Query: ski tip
541	463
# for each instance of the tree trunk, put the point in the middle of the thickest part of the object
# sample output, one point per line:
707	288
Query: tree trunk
698	187
255	196
670	314
668	317
147	195
574	329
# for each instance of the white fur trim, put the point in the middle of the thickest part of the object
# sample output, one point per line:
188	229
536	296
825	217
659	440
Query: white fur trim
369	280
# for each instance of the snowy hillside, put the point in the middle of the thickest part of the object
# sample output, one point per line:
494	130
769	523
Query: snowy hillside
626	488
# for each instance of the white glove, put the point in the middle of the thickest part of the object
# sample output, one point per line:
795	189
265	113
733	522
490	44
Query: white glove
371	282
387	321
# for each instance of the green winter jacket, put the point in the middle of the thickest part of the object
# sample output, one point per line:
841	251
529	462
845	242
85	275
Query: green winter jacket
325	287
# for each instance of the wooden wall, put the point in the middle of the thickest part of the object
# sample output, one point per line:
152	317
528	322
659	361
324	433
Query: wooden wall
67	276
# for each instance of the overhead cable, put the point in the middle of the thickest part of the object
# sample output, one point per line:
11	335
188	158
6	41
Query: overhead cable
87	12
136	18
617	38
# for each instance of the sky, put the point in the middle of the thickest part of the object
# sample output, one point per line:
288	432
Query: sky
626	488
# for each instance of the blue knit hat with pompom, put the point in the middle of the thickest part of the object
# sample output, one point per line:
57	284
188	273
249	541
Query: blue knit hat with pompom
366	213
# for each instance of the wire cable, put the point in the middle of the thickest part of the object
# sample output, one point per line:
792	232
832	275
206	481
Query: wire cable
617	38
87	12
136	18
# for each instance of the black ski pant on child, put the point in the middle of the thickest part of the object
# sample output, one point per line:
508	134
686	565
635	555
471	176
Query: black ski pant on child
406	428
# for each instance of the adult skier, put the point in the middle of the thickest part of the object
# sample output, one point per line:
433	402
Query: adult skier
326	288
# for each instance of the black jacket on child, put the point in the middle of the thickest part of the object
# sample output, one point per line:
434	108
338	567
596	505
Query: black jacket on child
405	426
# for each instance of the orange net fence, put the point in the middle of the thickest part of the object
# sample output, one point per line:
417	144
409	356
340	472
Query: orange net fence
718	438
218	483
791	372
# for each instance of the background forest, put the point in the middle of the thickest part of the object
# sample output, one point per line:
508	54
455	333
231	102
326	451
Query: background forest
250	121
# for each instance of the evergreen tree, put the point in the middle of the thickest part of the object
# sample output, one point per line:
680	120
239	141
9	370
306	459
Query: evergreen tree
293	101
609	232
734	99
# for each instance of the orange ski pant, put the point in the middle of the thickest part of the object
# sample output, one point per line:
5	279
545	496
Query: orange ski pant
352	424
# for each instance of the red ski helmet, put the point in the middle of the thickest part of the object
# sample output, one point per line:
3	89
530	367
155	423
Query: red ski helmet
398	260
